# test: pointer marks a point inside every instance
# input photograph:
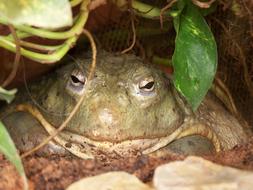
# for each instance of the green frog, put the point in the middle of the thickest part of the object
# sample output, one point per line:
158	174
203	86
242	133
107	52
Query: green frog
129	108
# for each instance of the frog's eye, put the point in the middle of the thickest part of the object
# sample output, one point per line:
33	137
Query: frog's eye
147	84
76	82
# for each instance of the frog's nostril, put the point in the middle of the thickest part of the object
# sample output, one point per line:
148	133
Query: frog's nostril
107	117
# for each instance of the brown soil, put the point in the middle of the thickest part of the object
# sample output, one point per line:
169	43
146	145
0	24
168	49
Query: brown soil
58	172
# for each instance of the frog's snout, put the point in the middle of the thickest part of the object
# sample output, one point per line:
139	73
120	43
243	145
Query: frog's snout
107	117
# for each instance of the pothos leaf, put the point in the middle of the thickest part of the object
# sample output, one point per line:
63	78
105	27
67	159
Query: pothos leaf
7	95
8	148
40	13
195	56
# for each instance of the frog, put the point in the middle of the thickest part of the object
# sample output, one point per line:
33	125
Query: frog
129	108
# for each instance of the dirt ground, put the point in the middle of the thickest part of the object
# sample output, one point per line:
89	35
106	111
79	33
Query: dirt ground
58	172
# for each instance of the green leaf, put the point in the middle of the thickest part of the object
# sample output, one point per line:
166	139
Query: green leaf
8	148
7	95
195	56
176	11
39	13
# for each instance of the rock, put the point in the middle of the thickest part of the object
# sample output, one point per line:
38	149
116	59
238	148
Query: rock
195	173
110	181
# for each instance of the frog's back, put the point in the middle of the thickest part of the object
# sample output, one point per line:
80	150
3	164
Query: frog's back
213	114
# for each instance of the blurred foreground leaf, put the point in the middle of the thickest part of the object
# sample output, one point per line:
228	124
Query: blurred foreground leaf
7	95
39	13
8	148
195	56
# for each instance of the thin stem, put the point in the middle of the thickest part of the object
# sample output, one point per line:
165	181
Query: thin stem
20	35
241	57
39	47
203	4
51	130
42	58
73	112
23	43
71	37
169	5
134	36
17	58
146	11
75	30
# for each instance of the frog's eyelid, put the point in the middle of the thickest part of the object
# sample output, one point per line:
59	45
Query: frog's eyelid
80	74
147	84
76	80
77	62
79	71
146	81
149	87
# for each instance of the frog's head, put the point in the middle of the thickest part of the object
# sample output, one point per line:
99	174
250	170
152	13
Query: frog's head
128	105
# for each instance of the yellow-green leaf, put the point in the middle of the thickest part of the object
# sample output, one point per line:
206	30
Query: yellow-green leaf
7	95
39	13
8	148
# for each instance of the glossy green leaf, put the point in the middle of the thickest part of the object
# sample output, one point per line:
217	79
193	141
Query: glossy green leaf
8	148
7	95
195	56
176	11
40	13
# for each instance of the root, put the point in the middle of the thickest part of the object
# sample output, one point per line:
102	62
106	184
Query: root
223	93
203	4
242	58
74	149
13	72
73	112
134	35
164	9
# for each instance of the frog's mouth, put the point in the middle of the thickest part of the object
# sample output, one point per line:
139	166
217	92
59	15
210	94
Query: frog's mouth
86	148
